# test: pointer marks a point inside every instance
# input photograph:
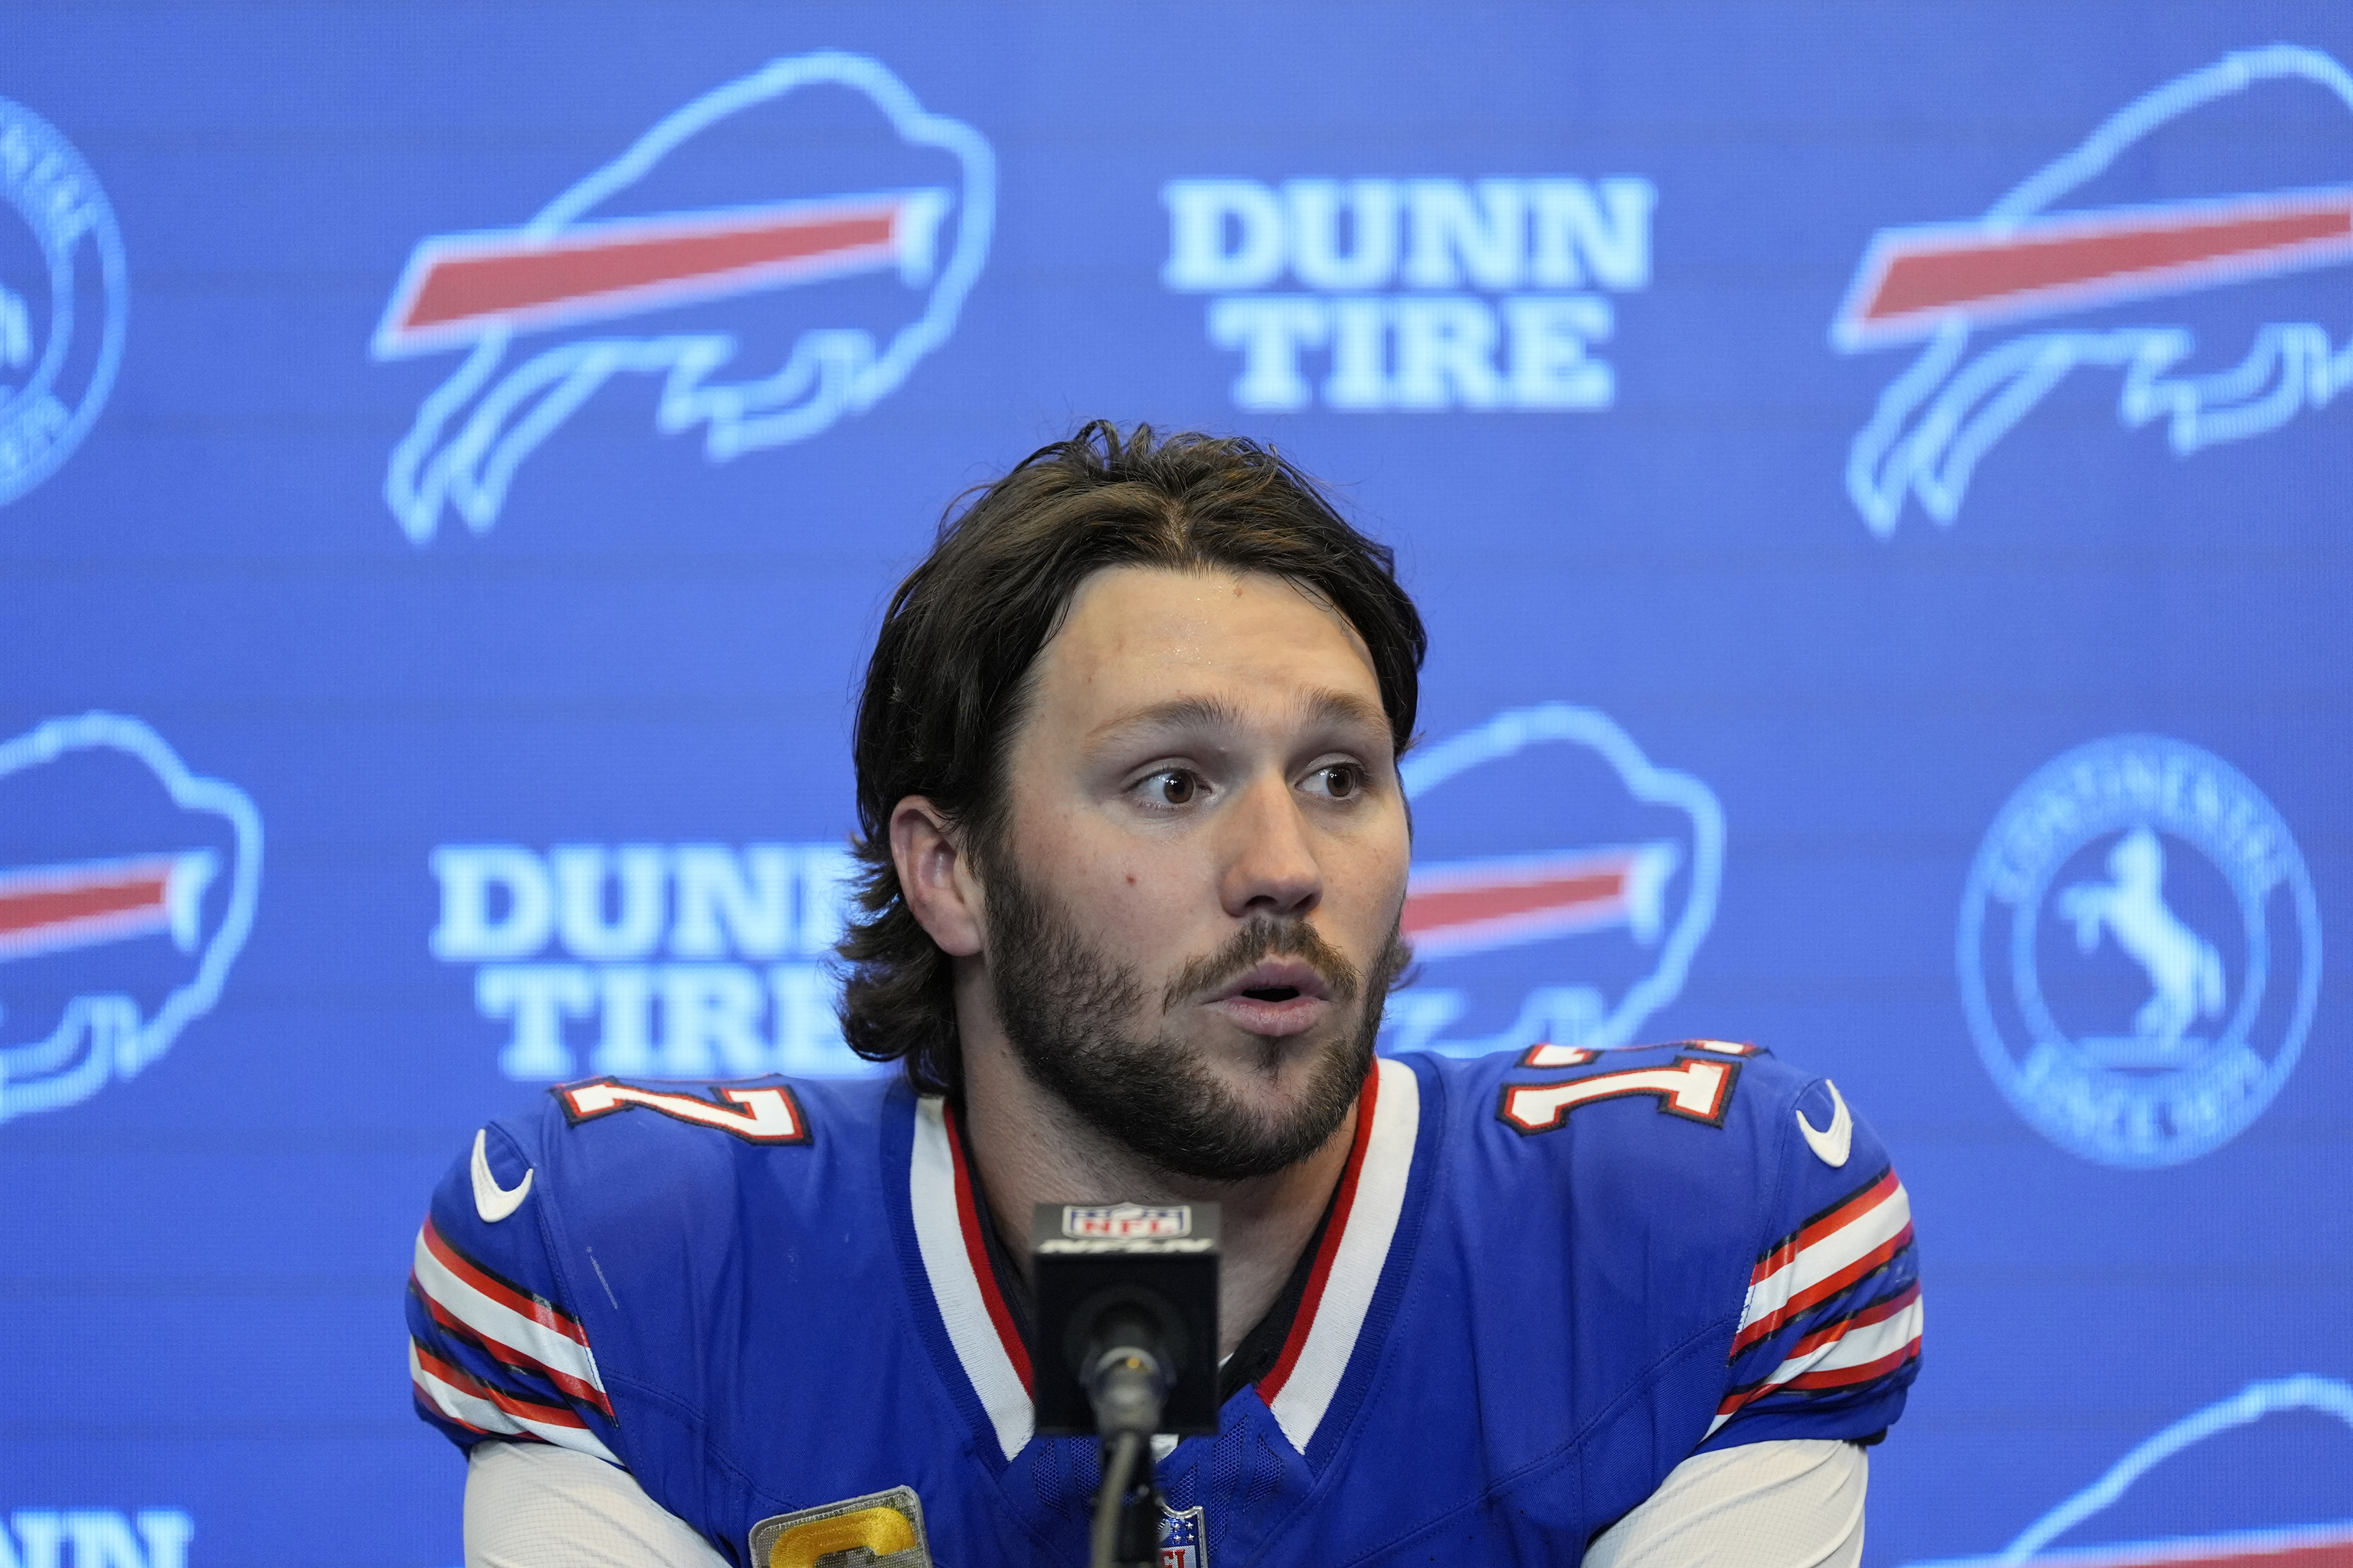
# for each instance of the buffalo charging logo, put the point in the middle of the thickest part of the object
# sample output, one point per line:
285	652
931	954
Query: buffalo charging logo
1563	886
2317	1409
127	887
2053	248
62	301
853	224
2139	951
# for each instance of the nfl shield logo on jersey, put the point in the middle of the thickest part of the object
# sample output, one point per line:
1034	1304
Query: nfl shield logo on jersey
1184	1538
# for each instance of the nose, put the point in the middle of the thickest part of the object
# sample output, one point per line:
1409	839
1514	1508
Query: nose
1270	867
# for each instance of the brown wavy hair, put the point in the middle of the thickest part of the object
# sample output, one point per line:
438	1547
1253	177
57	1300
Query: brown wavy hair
949	680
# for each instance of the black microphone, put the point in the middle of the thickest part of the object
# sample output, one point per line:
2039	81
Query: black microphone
1128	1347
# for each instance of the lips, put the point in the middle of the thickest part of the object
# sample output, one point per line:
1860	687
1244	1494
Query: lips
1278	997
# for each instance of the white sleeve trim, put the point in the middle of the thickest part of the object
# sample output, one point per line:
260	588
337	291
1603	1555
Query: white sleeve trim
1792	1503
531	1505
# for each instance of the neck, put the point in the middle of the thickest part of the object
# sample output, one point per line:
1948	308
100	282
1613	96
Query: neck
1032	1149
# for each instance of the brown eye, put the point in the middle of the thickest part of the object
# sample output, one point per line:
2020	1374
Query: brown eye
1341	782
1175	788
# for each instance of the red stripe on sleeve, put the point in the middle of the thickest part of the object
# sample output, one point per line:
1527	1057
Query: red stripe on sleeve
1814	1382
509	1355
512	1297
1837	1218
513	1404
1822	1291
1838	1329
1844	1377
425	1402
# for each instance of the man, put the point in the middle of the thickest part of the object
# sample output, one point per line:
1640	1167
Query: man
1134	854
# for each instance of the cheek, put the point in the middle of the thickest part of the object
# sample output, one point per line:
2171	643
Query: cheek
1145	914
1138	898
1370	891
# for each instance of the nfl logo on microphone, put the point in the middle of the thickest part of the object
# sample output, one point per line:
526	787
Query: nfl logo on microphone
1126	1222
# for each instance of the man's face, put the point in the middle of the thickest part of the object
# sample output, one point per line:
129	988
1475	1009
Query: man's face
1192	917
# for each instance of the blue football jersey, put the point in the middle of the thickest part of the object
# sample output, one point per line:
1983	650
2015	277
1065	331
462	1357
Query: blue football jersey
1546	1280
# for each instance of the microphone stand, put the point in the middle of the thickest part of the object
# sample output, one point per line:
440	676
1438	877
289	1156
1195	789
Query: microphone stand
1127	1336
1126	1387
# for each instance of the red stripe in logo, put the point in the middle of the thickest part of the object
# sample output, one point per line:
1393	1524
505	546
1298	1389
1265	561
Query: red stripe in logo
459	287
1914	280
46	908
2312	1546
1468	905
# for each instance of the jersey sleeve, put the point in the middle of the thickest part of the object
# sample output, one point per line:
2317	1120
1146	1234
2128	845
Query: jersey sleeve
495	1351
530	1504
1829	1336
1763	1505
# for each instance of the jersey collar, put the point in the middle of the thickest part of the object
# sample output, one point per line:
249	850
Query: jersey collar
955	1263
1349	1261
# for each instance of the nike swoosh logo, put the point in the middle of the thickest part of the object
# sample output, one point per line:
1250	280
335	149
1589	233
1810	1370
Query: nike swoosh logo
1833	1143
495	1202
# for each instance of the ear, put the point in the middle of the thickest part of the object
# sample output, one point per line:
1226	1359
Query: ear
936	877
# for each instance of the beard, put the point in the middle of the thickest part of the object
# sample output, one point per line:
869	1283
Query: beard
1065	1007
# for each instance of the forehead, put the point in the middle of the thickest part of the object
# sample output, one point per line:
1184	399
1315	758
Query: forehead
1140	636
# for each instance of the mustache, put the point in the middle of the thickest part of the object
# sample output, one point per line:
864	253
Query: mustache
1272	936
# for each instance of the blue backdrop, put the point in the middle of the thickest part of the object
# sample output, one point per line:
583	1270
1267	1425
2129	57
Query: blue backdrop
1874	475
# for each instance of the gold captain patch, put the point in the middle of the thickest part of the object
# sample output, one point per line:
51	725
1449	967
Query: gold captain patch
882	1530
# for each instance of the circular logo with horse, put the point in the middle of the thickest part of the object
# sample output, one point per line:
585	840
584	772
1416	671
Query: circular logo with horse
2139	951
62	300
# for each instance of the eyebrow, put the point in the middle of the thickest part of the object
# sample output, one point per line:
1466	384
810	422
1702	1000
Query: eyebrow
1323	707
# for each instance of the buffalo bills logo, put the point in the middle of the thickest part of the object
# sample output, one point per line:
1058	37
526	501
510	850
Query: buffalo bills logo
792	243
2305	1412
127	885
2054	247
1562	883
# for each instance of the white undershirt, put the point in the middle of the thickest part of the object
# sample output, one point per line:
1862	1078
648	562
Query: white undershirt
1794	1503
